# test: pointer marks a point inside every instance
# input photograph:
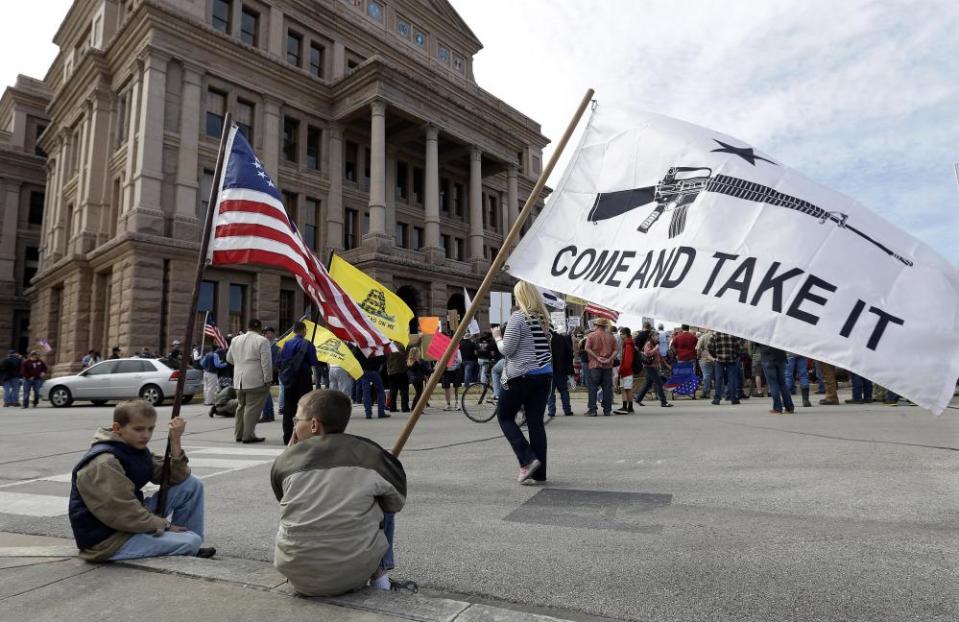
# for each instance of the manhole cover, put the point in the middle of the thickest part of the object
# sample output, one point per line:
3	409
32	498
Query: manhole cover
592	509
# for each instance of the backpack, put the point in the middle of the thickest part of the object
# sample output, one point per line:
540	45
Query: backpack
290	367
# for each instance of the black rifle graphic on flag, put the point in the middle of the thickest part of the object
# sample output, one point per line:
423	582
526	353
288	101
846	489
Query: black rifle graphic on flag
677	190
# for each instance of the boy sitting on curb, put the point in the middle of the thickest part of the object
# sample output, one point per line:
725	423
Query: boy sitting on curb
110	518
338	494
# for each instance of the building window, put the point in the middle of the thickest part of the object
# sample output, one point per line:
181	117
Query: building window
244	118
291	131
367	158
419	39
402	235
38	132
309	237
249	26
403	28
317	54
351	229
290	203
493	213
237	308
444	196
287	303
35	216
402	189
419	239
458	63
447	245
311	219
293	44
31	263
313	137
222	10
493	251
215	111
418	185
443	54
458	200
375	10
458	249
121	130
207	299
350	161
366	223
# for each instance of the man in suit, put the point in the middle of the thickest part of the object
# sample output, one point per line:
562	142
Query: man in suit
252	362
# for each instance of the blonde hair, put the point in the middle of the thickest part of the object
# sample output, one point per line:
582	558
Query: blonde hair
413	355
530	301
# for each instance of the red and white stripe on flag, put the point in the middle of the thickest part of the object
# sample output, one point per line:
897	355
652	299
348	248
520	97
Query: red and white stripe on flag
211	331
597	310
251	226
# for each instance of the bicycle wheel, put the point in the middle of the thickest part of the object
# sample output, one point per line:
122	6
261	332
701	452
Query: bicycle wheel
478	402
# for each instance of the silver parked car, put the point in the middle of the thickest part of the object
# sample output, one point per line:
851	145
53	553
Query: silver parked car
120	379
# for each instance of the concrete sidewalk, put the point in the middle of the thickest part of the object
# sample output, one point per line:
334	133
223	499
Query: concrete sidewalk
42	579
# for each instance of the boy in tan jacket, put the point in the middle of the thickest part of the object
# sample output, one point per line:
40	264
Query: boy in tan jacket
110	517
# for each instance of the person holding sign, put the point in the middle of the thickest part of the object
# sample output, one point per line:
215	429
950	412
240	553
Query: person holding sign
526	377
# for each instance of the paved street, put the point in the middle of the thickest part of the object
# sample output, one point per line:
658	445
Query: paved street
693	513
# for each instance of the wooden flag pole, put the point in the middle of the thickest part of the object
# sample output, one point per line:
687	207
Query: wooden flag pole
191	318
494	268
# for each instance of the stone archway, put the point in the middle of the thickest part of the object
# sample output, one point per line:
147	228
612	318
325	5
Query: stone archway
411	297
458	302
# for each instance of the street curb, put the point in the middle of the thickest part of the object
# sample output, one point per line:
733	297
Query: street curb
262	576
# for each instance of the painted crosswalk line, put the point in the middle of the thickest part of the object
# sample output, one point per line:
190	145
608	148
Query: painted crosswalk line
211	462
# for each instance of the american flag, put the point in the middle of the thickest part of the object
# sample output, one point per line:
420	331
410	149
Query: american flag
211	330
609	314
251	226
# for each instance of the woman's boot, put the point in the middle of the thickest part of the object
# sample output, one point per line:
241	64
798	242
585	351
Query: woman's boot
805	398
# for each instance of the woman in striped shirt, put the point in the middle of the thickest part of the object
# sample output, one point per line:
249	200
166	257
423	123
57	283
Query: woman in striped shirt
527	378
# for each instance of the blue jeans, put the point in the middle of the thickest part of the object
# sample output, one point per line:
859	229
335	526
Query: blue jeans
776	381
601	378
529	392
373	381
794	364
727	381
185	501
861	388
709	372
11	392
496	377
653	379
559	384
34	384
470	372
389	527
268	407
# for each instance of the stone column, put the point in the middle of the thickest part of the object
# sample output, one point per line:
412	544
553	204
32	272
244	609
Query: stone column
512	198
339	60
147	215
57	227
432	199
377	171
94	225
272	135
334	200
476	206
185	223
276	42
133	106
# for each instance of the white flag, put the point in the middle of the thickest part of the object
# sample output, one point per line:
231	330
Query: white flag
658	217
474	328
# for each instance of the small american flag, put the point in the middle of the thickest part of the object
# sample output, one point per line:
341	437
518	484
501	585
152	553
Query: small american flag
599	311
211	330
251	226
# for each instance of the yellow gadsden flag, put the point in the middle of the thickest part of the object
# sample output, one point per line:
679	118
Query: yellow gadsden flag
387	310
329	349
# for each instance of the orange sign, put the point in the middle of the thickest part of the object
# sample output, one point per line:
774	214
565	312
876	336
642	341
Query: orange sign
429	325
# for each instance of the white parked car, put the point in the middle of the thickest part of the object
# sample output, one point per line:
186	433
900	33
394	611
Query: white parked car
121	379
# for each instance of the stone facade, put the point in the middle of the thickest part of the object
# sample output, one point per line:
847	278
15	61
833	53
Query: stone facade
365	112
23	119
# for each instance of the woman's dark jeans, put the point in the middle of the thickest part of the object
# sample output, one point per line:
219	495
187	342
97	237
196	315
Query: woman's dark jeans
652	379
776	381
529	392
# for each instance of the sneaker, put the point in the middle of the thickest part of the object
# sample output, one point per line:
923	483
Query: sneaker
527	471
734	402
447	408
621	411
773	411
404	586
206	552
854	402
590	413
667	405
569	414
533	482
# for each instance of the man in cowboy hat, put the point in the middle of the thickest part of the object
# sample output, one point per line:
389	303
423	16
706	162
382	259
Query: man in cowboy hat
601	348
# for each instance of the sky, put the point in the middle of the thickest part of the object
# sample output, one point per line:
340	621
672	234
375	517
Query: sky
859	96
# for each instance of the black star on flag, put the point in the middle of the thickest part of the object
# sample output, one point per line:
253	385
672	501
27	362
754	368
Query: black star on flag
746	153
